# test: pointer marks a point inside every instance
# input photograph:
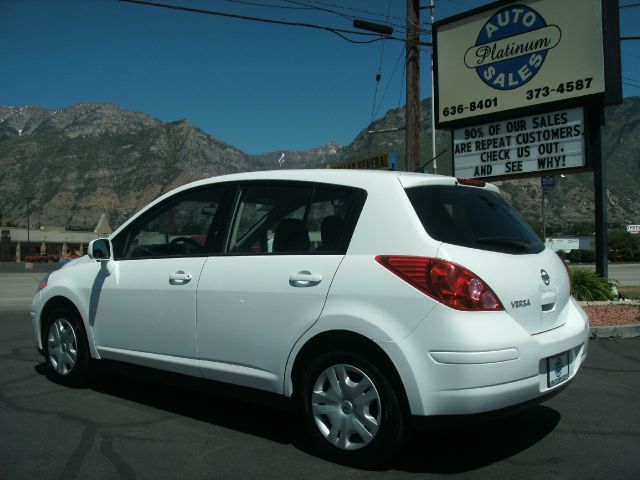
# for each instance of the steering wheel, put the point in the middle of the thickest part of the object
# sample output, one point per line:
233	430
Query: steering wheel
185	245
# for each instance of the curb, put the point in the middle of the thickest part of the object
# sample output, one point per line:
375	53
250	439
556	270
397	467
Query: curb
616	331
614	303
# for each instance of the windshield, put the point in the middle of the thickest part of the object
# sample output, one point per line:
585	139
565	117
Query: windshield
473	217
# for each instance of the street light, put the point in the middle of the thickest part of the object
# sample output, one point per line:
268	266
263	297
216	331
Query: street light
373	27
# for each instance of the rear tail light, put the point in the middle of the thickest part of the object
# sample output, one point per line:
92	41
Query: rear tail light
447	282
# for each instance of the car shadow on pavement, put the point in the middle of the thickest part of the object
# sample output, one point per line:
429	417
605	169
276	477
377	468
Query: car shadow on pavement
462	449
444	451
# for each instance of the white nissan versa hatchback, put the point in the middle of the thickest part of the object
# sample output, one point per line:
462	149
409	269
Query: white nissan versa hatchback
367	297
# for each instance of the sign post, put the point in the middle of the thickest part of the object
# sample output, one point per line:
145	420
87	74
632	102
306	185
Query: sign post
547	183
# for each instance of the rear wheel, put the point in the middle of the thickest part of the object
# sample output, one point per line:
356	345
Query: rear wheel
66	348
351	409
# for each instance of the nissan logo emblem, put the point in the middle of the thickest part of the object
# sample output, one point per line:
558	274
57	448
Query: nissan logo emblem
545	277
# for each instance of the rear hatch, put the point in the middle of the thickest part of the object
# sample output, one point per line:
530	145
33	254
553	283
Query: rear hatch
484	234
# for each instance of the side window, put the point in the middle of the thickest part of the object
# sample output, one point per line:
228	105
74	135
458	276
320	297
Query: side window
331	218
270	219
280	219
186	225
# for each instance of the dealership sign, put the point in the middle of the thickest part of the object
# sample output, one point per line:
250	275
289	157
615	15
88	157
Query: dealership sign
533	144
518	55
375	162
512	47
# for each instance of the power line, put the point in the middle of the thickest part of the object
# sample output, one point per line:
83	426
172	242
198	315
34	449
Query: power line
629	38
266	5
366	12
322	8
338	31
393	73
631	84
379	73
631	5
633	80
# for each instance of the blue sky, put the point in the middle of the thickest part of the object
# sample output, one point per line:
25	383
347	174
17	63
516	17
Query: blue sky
259	87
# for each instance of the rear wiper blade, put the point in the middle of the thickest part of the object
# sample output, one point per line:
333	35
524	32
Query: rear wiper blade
508	241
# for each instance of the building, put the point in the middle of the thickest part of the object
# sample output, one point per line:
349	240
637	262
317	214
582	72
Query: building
566	244
17	243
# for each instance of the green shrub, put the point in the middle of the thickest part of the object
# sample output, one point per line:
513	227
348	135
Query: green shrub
575	256
588	256
588	286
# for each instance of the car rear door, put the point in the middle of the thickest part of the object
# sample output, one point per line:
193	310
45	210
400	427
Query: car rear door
285	245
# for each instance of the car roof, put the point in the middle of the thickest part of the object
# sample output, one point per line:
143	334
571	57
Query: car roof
335	176
367	179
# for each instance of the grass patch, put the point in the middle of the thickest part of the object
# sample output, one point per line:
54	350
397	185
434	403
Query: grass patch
630	292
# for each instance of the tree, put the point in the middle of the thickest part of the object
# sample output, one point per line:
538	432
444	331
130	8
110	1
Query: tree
623	246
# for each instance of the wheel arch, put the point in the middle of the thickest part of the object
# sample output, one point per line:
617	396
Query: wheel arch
346	341
59	302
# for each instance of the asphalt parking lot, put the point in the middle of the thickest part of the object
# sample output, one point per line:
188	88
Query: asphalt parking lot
121	427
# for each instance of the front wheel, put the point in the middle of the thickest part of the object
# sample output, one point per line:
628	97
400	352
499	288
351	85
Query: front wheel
352	410
66	348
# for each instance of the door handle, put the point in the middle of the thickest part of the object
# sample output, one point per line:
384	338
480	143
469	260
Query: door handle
304	279
180	278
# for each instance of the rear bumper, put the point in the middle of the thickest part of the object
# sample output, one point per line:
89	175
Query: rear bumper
492	397
467	420
461	363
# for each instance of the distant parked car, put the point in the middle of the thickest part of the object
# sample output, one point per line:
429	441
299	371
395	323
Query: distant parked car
68	257
366	298
41	257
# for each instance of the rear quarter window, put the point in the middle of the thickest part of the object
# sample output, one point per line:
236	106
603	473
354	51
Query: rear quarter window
473	217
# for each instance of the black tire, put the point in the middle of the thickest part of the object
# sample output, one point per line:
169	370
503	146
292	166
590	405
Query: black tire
65	346
341	442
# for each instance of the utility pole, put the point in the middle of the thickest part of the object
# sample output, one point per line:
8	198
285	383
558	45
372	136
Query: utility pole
29	200
434	154
544	220
413	86
600	194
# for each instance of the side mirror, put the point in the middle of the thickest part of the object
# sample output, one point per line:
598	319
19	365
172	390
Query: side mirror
100	250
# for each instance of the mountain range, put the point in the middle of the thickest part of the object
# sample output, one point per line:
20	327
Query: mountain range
75	163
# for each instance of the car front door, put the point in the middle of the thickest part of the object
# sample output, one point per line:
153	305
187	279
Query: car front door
285	244
145	310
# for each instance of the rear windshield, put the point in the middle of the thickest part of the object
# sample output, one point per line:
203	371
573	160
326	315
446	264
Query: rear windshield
473	217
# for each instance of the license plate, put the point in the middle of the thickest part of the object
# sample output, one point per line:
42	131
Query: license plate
557	369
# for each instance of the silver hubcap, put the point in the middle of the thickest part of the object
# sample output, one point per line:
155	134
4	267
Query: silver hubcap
62	346
346	407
